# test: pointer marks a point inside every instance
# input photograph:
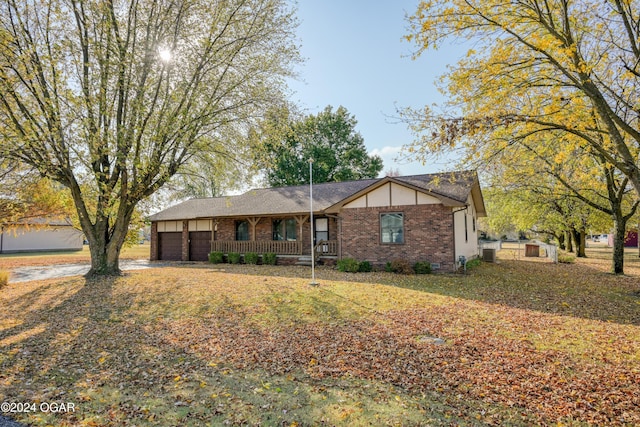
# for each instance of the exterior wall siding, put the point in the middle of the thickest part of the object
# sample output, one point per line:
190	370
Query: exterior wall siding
428	235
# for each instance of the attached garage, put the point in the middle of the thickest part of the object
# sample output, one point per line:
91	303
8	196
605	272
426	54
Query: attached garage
199	245
170	246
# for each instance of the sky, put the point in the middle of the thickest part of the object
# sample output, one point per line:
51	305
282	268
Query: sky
355	56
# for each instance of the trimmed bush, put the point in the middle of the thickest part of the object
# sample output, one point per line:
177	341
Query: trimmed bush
365	267
400	266
233	257
4	278
269	258
251	258
216	257
566	259
422	267
348	265
387	267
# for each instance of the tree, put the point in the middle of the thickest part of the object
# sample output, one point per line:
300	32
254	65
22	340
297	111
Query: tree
329	138
536	66
110	98
25	196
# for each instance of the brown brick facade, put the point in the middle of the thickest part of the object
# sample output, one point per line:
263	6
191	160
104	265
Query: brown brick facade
154	241
428	235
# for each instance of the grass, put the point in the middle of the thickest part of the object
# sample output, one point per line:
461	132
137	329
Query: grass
524	343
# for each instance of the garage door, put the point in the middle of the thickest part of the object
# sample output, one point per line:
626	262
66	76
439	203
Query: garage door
170	246
199	245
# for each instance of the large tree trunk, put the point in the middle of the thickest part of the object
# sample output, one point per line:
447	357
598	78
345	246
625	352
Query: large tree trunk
561	239
569	242
619	229
581	243
105	237
105	246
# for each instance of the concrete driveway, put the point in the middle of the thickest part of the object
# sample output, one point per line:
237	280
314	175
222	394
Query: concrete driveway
26	274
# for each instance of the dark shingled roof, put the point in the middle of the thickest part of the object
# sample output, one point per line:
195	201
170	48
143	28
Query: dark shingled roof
295	199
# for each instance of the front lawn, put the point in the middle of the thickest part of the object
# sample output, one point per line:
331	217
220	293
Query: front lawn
516	343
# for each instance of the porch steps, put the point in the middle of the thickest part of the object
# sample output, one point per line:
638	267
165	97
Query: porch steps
304	260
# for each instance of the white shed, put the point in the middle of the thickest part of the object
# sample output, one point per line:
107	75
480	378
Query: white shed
41	235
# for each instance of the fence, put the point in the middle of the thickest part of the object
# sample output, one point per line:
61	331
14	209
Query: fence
550	251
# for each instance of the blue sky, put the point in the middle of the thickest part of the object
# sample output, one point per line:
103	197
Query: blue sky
355	57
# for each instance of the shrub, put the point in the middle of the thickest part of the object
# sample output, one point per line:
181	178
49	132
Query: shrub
474	263
422	267
566	259
251	258
216	257
348	265
387	267
400	266
4	278
234	257
365	267
269	258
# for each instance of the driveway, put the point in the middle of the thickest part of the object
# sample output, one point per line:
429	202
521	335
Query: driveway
26	274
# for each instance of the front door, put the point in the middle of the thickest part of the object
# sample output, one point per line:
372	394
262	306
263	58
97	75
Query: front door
321	230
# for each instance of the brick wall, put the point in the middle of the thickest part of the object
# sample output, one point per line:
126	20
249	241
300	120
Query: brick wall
154	242
428	235
185	240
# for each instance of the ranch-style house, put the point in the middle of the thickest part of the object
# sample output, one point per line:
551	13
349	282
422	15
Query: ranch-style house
430	217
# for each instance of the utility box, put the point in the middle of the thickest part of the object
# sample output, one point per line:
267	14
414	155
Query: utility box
531	250
489	255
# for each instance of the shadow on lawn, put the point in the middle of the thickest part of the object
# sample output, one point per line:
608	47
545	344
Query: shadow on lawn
579	290
81	344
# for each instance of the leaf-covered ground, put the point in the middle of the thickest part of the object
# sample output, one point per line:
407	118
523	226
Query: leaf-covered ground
516	343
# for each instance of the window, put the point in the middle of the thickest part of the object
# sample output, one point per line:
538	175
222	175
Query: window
466	229
392	227
242	230
284	229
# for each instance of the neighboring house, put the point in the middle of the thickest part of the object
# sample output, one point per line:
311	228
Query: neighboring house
416	218
40	235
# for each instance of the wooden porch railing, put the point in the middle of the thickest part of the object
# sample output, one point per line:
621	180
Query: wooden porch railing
258	246
325	248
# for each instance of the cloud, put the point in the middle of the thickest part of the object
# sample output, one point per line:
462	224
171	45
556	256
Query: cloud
386	151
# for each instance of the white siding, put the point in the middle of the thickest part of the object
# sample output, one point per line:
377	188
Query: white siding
169	226
199	225
402	196
379	197
466	245
42	239
425	199
392	194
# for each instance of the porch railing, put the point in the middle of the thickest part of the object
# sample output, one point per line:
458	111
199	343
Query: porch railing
325	248
258	246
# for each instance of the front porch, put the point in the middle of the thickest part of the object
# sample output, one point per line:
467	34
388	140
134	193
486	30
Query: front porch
296	247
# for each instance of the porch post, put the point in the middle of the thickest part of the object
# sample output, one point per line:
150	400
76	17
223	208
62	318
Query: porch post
301	219
253	221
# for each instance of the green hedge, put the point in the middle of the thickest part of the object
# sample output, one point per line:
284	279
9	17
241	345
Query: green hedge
216	257
269	258
348	265
251	258
233	257
422	267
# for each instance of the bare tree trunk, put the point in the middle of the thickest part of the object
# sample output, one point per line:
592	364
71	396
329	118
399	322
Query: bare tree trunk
569	242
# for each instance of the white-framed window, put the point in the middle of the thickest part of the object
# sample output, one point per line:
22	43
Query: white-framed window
284	229
392	227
